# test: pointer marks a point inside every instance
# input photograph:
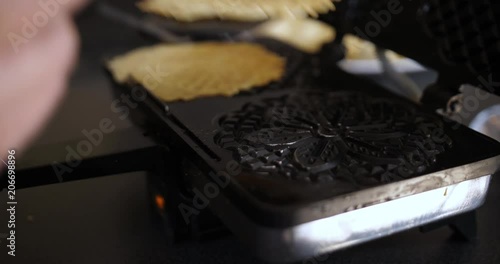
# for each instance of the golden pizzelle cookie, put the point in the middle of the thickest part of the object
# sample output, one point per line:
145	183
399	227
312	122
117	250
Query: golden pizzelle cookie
308	35
360	49
237	10
188	71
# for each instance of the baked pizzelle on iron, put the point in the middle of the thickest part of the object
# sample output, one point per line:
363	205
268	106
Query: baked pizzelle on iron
187	71
360	49
236	10
307	35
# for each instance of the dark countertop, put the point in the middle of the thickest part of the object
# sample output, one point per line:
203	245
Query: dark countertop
108	220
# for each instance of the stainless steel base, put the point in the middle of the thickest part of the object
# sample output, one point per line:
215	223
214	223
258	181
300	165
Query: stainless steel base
360	225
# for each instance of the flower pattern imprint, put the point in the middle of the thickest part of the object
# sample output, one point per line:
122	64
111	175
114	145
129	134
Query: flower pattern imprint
334	136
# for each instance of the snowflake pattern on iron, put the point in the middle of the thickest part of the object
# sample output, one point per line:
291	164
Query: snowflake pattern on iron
328	136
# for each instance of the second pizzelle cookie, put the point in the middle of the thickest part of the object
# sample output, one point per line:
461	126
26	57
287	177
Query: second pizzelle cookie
187	71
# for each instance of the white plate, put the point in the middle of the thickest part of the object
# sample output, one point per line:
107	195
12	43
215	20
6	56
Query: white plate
374	66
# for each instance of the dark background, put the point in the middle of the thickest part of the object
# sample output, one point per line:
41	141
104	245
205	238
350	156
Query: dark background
108	220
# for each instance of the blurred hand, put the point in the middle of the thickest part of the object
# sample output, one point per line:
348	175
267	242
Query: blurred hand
38	47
